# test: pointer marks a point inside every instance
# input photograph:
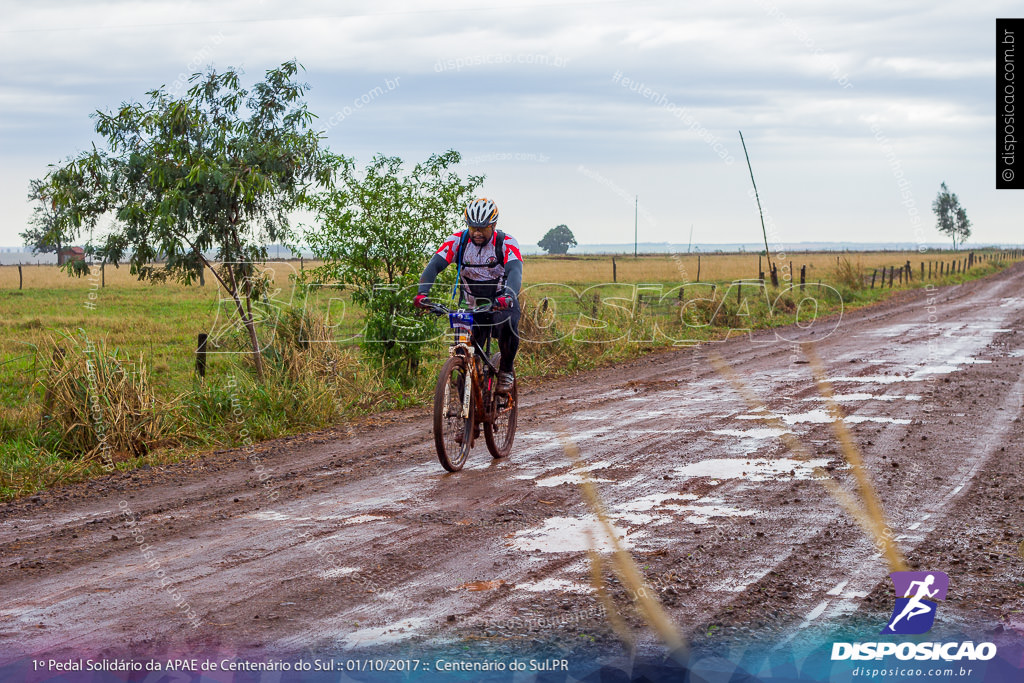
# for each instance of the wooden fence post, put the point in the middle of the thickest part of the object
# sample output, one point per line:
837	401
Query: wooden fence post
201	355
873	274
103	274
803	276
922	271
698	267
19	277
614	275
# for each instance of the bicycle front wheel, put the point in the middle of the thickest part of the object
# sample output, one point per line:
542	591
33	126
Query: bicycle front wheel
453	433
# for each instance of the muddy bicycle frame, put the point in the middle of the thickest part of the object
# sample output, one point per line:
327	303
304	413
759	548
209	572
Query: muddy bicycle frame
466	397
465	344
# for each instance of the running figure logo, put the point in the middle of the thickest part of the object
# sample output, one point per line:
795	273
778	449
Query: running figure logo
916	596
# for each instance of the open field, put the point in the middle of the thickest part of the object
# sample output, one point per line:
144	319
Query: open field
711	267
153	328
52	277
161	322
358	544
662	268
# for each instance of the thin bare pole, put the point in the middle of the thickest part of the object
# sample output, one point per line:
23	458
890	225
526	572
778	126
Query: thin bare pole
763	230
636	223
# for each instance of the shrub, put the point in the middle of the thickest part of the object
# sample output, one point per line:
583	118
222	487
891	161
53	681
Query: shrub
99	404
848	274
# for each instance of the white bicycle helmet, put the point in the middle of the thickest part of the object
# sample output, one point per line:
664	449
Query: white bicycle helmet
481	212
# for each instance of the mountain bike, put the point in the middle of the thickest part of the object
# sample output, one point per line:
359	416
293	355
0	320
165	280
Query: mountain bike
466	396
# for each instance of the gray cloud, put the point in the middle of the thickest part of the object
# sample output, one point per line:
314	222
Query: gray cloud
805	81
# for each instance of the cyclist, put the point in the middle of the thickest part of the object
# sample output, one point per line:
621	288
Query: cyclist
490	267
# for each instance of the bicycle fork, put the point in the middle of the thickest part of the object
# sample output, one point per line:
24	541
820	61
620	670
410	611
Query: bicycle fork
467	389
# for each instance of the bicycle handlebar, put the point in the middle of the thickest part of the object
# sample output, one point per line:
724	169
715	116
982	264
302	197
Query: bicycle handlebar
441	309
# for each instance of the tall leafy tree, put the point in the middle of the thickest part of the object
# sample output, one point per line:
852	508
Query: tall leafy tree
951	217
201	181
376	231
558	240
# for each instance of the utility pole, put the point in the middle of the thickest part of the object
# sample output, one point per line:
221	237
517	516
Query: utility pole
636	213
767	252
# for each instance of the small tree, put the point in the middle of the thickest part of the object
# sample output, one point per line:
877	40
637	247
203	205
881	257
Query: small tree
216	170
375	233
952	218
558	240
43	222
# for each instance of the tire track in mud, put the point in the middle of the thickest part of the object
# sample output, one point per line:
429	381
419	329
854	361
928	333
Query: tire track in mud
369	542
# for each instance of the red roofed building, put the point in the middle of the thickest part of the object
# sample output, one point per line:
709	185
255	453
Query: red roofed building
70	254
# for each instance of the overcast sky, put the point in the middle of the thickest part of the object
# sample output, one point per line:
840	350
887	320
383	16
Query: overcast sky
852	116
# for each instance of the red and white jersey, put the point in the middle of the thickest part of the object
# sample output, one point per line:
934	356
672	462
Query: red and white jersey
482	263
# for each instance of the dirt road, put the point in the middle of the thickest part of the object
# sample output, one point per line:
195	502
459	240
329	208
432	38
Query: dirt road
359	538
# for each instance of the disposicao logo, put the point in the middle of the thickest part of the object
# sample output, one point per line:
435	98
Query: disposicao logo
914	613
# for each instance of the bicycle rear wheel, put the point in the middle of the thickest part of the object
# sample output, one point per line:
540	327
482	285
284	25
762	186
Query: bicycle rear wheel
500	433
453	433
